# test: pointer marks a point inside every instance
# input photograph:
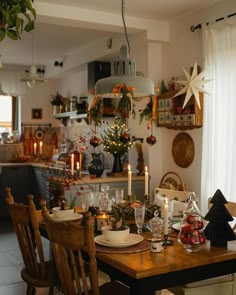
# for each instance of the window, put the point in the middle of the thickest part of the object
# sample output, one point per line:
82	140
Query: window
8	113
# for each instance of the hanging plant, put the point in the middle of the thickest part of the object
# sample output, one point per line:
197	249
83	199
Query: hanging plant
125	106
16	16
96	111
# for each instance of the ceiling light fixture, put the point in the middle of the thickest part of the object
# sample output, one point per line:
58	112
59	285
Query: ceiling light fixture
32	77
123	71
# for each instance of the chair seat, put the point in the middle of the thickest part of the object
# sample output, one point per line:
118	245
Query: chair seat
48	280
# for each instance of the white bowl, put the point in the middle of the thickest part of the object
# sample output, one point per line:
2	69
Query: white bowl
114	236
61	214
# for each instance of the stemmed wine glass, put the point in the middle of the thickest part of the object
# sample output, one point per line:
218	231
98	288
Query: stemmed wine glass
139	214
85	201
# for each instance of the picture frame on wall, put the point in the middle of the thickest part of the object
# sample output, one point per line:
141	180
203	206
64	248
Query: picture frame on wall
37	113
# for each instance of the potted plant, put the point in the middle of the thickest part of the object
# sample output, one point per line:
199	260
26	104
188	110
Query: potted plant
58	103
16	16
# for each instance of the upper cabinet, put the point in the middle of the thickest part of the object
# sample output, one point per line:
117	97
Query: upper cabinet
97	70
172	115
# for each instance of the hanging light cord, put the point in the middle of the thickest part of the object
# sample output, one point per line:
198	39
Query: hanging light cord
123	19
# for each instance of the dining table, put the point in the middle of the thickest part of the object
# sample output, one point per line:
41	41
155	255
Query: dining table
146	272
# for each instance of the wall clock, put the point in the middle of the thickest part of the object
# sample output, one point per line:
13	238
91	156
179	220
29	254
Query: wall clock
183	150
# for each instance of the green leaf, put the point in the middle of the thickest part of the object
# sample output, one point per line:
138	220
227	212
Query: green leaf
2	34
29	27
13	35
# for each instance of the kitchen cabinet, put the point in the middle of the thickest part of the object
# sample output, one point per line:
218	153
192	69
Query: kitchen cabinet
41	184
170	113
97	70
20	180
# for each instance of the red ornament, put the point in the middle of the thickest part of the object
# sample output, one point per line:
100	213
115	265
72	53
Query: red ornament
125	137
199	224
94	141
190	219
151	140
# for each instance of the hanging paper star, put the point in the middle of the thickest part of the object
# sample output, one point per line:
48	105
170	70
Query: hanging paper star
193	85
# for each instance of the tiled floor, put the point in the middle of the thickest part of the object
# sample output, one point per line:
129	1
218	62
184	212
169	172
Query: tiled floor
11	263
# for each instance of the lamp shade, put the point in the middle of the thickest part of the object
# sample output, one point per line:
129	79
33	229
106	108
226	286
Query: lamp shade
123	71
32	77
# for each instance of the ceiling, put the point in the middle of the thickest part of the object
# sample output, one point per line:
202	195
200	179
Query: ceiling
64	29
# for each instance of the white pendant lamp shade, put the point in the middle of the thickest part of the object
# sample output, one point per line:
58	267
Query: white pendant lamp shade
32	77
123	71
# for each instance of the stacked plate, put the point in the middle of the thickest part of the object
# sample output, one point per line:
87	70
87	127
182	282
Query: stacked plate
131	240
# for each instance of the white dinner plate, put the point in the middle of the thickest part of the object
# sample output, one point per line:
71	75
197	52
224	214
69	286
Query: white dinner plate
177	226
131	240
72	217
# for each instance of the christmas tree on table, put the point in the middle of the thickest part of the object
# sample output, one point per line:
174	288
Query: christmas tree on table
116	140
218	230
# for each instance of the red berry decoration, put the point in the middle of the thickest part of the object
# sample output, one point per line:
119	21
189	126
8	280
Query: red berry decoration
199	224
151	140
94	141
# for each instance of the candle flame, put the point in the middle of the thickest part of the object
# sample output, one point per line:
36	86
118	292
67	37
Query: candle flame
166	201
146	169
128	167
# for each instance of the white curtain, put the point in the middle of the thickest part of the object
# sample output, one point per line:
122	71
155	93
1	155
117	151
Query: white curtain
219	131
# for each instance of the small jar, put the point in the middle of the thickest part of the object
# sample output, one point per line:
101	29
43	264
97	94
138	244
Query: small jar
191	235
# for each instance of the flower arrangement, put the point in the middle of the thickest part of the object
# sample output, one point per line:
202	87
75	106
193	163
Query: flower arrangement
123	213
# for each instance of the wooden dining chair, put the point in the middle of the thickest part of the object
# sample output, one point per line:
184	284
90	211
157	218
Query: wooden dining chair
25	218
70	242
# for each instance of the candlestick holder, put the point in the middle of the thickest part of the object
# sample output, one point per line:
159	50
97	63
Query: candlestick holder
166	241
147	199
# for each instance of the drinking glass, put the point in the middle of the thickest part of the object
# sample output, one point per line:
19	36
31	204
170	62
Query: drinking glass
119	195
139	214
85	202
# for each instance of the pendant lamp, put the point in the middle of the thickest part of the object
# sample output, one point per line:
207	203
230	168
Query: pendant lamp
32	77
123	71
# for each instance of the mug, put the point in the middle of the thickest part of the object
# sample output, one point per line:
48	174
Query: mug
156	246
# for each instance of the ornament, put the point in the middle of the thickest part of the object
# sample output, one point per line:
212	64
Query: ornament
94	141
191	234
193	85
151	140
125	137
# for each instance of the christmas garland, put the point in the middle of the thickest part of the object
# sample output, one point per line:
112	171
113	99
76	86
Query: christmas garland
96	111
150	111
125	106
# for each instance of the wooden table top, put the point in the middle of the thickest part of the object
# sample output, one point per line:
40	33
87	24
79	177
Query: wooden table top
173	258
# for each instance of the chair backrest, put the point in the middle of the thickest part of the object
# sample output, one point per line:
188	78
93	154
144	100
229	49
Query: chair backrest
26	225
70	240
181	196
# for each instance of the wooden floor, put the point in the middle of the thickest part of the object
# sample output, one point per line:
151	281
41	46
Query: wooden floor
11	263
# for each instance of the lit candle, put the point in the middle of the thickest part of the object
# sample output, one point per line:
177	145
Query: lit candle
146	182
166	220
35	148
77	166
72	164
40	147
129	180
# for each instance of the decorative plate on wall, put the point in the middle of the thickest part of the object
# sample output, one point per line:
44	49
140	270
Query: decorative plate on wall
183	150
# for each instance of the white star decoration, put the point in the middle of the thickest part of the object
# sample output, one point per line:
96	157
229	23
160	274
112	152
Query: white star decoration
193	85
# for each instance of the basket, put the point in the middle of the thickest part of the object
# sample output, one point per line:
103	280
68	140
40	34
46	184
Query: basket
174	183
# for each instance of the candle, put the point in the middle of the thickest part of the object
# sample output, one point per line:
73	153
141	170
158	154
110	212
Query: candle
166	220
77	166
35	148
102	219
40	147
129	180
72	164
146	182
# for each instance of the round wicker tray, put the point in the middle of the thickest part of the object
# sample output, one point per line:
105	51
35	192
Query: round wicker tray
183	150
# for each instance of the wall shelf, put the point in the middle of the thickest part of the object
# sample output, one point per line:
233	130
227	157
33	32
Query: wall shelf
64	117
